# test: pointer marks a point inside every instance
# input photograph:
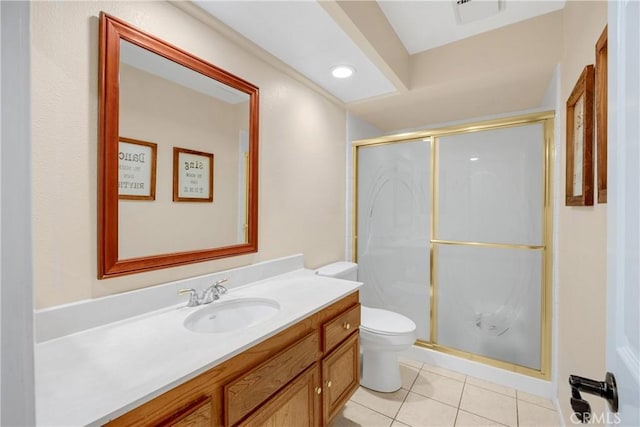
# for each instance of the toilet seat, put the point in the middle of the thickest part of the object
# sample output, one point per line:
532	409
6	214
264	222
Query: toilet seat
385	322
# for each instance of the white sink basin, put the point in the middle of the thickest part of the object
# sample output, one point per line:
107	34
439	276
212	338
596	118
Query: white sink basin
232	315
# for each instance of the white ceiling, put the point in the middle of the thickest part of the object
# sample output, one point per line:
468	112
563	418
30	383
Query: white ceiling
303	35
423	25
313	36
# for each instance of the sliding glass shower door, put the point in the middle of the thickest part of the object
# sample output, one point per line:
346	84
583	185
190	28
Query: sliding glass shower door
489	243
453	231
393	223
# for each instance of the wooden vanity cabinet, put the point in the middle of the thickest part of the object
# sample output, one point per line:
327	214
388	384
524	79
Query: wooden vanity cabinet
302	376
298	404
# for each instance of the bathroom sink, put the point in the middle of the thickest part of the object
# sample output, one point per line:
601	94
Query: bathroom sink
232	315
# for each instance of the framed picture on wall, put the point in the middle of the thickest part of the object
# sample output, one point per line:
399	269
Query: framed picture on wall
601	115
136	169
192	176
579	153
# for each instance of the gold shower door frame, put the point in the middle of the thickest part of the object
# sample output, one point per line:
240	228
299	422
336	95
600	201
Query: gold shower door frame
547	120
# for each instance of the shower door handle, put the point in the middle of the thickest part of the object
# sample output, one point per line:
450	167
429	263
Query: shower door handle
606	389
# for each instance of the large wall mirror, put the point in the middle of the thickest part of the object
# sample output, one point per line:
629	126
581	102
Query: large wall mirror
177	159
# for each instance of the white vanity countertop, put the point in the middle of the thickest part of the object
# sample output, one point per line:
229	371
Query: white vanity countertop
93	376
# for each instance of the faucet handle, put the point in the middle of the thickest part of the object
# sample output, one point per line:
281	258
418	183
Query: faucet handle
193	296
218	285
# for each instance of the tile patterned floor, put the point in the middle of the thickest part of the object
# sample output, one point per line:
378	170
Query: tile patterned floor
433	396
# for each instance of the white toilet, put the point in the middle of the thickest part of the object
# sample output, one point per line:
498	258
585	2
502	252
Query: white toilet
383	334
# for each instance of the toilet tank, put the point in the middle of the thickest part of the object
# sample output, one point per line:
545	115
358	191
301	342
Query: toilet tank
340	270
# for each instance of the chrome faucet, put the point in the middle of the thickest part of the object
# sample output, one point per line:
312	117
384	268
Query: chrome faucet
208	296
193	296
213	292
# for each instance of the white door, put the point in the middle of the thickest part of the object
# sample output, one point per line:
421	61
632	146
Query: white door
623	229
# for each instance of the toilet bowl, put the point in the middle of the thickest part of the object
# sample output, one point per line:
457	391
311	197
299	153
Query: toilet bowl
383	334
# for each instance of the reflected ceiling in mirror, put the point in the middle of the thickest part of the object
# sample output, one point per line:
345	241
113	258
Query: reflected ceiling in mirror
178	156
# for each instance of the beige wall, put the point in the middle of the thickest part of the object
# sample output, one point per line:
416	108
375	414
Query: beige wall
502	71
582	230
302	137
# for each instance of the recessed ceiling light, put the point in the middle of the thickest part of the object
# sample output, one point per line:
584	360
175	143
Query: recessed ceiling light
342	71
474	158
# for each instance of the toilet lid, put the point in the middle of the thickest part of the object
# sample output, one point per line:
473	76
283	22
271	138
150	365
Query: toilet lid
385	322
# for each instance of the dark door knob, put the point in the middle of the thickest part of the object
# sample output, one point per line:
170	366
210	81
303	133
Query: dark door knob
605	389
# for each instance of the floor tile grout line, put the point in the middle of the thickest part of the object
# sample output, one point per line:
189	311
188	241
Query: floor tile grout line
395	417
493	391
426	397
437	400
460	401
537	405
517	410
407	395
482	416
444	376
373	410
415	379
429	397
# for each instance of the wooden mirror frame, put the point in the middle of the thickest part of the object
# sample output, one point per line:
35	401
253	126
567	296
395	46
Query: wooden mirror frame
112	30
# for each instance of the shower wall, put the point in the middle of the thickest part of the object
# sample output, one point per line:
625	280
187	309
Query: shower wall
457	243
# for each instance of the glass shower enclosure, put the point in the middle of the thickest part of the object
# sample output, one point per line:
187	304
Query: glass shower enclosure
453	231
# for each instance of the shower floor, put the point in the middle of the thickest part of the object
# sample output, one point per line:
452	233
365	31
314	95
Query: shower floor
433	396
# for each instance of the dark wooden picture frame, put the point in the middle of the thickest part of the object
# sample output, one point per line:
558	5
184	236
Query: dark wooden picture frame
153	162
601	115
579	153
191	176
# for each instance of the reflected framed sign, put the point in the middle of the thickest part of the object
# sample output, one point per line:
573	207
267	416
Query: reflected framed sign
192	176
137	162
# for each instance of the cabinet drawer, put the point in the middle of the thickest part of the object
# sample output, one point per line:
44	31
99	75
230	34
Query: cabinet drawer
197	414
247	392
296	405
339	328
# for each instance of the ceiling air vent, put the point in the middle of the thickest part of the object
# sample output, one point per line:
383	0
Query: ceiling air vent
473	10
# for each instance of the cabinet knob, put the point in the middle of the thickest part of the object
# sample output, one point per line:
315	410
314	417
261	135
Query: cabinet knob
318	390
328	384
346	325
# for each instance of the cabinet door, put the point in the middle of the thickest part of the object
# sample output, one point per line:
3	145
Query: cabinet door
340	376
298	404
